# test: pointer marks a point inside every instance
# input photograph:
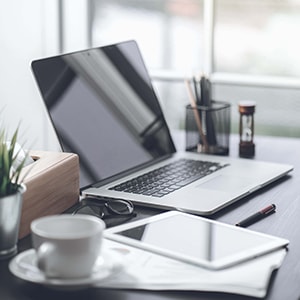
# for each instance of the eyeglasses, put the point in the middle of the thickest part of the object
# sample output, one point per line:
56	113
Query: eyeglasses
105	208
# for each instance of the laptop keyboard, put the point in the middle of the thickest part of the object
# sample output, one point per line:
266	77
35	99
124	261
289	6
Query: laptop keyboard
171	177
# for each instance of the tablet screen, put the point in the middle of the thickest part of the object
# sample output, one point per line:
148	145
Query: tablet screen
198	240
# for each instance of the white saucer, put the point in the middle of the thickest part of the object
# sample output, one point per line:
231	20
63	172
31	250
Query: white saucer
24	266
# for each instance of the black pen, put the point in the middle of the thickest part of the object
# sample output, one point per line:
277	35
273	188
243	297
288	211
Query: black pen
257	216
197	96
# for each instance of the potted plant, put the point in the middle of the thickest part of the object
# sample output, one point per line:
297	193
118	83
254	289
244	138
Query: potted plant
11	193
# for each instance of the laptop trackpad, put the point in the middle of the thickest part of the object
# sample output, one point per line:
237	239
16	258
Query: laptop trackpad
227	183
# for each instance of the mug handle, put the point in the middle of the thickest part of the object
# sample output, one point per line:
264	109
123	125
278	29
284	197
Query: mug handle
44	251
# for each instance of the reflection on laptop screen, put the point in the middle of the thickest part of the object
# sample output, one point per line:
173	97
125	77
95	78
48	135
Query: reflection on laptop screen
103	108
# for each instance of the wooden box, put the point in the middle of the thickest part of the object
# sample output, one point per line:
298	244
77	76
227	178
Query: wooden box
52	186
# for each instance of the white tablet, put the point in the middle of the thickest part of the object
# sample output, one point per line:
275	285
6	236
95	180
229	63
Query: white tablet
195	239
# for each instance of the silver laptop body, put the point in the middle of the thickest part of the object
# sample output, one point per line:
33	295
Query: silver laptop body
103	107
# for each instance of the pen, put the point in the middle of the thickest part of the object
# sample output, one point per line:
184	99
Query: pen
202	91
257	216
197	96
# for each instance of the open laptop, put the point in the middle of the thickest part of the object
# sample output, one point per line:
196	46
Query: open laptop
103	107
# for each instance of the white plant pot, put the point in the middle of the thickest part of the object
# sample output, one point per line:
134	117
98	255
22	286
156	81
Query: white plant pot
10	216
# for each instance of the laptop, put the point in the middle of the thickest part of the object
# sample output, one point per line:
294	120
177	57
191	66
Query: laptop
103	107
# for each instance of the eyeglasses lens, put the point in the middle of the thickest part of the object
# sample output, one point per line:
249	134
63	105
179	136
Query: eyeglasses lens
90	210
120	207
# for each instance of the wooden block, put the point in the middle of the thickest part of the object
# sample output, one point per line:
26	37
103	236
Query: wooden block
52	186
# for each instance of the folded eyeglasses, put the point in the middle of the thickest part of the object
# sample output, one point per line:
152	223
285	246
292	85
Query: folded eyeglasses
105	208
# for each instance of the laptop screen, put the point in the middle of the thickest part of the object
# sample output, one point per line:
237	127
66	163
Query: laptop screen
103	107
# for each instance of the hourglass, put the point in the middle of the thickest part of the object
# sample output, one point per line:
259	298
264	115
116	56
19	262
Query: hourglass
246	147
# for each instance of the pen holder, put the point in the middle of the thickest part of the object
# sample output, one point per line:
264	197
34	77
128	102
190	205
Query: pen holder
208	128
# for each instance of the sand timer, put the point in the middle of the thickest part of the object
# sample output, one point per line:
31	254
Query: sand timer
246	147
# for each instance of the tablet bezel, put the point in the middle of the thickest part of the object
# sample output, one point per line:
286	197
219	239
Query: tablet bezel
274	244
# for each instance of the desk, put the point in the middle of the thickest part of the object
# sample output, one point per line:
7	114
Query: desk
285	283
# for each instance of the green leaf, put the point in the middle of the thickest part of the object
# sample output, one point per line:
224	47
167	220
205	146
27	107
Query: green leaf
10	180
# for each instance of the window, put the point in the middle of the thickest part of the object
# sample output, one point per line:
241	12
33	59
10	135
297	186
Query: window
256	53
257	37
169	32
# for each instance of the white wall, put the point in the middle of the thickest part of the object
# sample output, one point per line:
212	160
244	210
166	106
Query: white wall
28	30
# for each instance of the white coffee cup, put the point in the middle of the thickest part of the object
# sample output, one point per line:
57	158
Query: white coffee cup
67	246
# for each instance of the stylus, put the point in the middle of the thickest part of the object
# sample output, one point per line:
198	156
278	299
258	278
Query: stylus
257	216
